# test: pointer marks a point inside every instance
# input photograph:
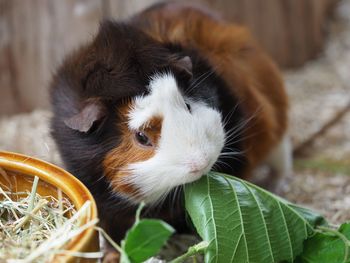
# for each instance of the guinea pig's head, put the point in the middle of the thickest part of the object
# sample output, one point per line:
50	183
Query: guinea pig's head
130	92
167	139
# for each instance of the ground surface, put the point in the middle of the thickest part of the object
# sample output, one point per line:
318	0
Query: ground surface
317	92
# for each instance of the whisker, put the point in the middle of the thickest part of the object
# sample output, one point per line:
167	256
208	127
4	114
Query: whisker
240	126
221	163
243	138
200	80
230	154
229	114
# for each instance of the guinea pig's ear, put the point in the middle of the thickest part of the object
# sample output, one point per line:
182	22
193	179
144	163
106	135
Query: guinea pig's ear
184	66
92	111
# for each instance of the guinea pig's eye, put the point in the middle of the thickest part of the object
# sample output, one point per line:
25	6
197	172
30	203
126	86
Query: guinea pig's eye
142	139
188	107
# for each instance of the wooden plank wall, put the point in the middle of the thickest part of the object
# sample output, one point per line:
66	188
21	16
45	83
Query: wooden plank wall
36	34
292	31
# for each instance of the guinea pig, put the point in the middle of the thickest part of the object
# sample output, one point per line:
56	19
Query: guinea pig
159	100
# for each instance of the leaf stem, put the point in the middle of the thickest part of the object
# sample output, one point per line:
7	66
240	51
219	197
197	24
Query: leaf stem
109	239
123	256
196	249
138	212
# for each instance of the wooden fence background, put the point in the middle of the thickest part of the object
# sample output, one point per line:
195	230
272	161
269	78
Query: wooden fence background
36	34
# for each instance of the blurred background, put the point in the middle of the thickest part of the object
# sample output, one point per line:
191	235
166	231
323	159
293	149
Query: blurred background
308	39
36	34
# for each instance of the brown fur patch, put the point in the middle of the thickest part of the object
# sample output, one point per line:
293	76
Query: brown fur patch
250	74
152	129
130	151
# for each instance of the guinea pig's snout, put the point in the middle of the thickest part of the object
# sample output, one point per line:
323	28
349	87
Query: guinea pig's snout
198	165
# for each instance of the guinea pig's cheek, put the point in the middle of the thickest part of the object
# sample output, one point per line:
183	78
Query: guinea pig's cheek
118	178
121	185
116	165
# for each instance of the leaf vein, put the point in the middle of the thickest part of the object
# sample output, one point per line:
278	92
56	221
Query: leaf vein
212	215
264	221
241	219
287	230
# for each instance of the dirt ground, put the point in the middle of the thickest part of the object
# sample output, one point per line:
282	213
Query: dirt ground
317	92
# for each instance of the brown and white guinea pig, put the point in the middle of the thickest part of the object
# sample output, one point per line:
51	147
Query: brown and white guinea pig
157	101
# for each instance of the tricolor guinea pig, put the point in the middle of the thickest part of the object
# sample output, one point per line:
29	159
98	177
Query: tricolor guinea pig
159	100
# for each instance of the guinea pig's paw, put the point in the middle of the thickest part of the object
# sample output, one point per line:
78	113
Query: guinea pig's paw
111	257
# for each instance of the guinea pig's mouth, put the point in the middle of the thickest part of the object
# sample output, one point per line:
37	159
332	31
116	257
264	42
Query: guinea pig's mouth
198	173
151	185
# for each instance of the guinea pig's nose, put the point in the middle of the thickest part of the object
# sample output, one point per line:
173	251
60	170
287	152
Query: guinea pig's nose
198	166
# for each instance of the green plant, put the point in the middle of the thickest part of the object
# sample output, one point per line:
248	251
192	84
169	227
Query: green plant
143	240
241	222
327	245
245	223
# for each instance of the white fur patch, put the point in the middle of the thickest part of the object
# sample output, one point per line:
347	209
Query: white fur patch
190	141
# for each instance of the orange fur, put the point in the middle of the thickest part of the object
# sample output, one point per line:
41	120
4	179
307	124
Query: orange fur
250	74
129	151
153	128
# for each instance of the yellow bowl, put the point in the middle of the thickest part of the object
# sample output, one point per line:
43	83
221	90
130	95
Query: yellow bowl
23	168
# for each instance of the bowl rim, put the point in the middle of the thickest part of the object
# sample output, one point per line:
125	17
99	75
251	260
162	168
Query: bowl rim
76	191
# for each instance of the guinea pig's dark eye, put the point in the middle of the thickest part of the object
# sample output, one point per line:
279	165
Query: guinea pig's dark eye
188	107
142	139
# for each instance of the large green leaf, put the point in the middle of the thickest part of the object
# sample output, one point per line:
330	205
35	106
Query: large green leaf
145	239
329	246
244	223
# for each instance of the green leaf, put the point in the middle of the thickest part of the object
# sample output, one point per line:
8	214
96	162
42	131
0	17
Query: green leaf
327	245
245	223
145	239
